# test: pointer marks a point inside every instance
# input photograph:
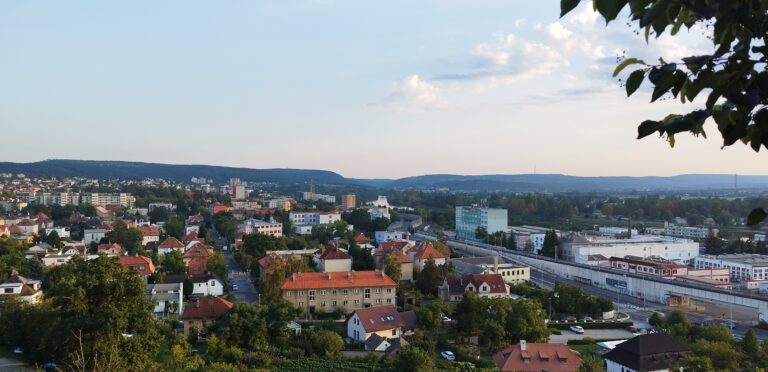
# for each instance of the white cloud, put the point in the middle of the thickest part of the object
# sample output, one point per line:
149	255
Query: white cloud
414	91
497	53
556	31
584	15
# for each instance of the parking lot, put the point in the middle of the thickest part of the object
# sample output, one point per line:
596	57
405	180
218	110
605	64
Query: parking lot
592	333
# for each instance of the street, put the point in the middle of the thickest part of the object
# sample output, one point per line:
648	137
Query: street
246	291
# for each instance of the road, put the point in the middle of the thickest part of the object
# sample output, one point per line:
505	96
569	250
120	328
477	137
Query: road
246	291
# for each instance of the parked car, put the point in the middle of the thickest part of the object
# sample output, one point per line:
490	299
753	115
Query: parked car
52	366
234	287
447	355
586	319
569	318
577	329
18	351
446	319
632	329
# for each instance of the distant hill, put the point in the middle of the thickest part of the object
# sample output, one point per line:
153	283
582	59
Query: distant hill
137	170
560	182
497	182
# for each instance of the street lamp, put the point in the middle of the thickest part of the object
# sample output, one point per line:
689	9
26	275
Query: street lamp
550	303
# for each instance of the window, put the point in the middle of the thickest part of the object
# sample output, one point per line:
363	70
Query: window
289	293
346	302
311	295
322	293
301	303
334	302
301	293
333	292
378	290
357	291
389	300
9	290
367	293
357	302
394	332
389	290
322	304
346	292
378	301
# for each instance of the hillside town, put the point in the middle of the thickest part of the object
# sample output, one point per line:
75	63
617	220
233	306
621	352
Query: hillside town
230	272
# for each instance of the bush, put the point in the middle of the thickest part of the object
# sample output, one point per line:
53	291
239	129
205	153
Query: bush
592	325
555	331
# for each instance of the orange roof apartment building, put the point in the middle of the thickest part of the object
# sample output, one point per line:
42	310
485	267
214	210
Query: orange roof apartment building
347	291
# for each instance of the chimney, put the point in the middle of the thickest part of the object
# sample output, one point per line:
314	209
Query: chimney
522	345
496	264
329	277
629	228
293	277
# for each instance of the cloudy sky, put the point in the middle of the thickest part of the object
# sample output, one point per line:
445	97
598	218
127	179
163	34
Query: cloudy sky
366	89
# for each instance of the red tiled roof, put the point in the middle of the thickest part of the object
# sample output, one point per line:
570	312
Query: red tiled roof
197	266
189	237
267	263
458	284
360	238
334	254
198	250
26	222
206	308
397	244
150	230
171	242
111	246
136	262
428	252
379	318
338	280
541	357
396	253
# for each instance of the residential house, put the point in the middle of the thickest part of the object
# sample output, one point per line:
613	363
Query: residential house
324	292
150	234
169	244
142	265
406	264
267	265
537	357
203	313
511	273
206	285
111	249
651	352
168	298
333	259
75	249
94	235
52	260
424	252
484	285
28	290
28	226
383	321
376	343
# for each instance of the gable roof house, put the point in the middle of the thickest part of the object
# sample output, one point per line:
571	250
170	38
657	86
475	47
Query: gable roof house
203	313
406	264
28	290
333	259
424	252
537	357
484	285
651	352
383	321
169	244
111	249
142	265
168	298
150	234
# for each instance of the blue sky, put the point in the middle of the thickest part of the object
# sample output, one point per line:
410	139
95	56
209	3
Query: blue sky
366	89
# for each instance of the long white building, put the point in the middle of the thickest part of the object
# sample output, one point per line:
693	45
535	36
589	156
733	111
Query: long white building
85	198
743	266
314	218
593	250
689	232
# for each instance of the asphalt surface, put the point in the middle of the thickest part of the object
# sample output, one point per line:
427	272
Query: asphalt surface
246	291
13	365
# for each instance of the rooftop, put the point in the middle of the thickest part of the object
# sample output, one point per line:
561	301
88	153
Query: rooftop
338	280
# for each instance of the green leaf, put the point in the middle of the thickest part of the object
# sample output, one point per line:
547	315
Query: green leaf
634	80
609	9
756	216
567	5
625	63
647	128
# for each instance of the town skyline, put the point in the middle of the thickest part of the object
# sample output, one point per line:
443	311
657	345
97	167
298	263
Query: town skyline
441	93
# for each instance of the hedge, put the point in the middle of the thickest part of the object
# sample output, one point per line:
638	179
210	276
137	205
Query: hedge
591	325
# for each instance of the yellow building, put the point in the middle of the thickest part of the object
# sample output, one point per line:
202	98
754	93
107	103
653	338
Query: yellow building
347	291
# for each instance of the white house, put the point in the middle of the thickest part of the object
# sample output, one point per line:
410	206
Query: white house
52	260
94	235
168	297
383	236
28	290
383	321
207	286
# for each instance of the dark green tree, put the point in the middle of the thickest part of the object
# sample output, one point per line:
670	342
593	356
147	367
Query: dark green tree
414	359
429	278
129	238
172	263
174	227
550	245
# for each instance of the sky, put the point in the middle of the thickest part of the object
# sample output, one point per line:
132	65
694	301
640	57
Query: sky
366	89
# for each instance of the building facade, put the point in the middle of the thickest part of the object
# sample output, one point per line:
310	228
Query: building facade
580	249
743	266
348	201
325	292
468	219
